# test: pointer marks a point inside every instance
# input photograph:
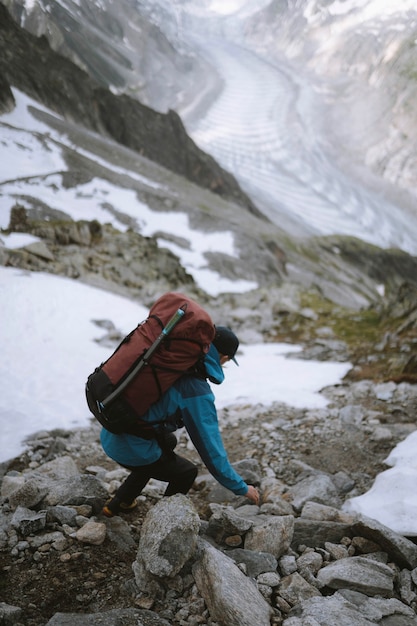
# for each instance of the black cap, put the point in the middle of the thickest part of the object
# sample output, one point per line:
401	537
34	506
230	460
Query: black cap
226	342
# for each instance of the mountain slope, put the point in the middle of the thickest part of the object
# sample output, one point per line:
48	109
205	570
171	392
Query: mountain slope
365	55
310	105
118	45
90	168
70	92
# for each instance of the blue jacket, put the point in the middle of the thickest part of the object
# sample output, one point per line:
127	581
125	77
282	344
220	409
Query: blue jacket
190	403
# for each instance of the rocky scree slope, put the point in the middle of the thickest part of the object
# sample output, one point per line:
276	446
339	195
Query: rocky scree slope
298	557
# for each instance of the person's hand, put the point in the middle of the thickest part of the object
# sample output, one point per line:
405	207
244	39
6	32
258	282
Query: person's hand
253	494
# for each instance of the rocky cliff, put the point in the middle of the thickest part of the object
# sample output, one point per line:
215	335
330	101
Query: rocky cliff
29	64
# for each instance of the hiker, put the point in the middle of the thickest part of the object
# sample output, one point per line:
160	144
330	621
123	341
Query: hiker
189	402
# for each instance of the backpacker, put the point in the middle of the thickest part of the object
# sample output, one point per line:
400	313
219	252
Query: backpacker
169	343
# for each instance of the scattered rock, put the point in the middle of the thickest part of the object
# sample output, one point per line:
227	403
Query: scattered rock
301	559
237	603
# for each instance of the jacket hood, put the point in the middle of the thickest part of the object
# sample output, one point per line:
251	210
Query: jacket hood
214	370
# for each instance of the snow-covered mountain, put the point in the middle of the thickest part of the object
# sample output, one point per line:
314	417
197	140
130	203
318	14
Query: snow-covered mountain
310	104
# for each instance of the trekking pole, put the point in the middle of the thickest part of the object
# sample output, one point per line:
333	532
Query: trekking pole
144	359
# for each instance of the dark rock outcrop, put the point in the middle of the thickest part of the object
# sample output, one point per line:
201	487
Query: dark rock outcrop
7	102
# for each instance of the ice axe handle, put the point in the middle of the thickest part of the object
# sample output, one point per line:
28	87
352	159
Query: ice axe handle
174	320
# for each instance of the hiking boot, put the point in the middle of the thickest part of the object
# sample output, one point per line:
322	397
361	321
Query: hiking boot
107	512
124	506
114	506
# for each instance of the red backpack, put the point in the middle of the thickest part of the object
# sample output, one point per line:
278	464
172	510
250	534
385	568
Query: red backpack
176	335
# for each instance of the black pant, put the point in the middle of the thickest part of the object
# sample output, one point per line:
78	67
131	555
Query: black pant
178	472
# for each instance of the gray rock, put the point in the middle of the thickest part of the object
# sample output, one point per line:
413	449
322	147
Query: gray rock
405	584
287	564
343	482
63	514
352	414
336	550
225	522
61	467
29	494
9	614
168	538
215	492
315	533
309	562
316	511
119	533
350	609
250	470
384	391
270	579
44	538
273	535
294	589
317	488
248	511
115	617
10	483
93	533
28	522
40	249
399	548
77	490
359	574
381	610
231	597
256	562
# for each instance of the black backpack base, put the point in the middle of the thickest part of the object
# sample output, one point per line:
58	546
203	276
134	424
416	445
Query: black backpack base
118	417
